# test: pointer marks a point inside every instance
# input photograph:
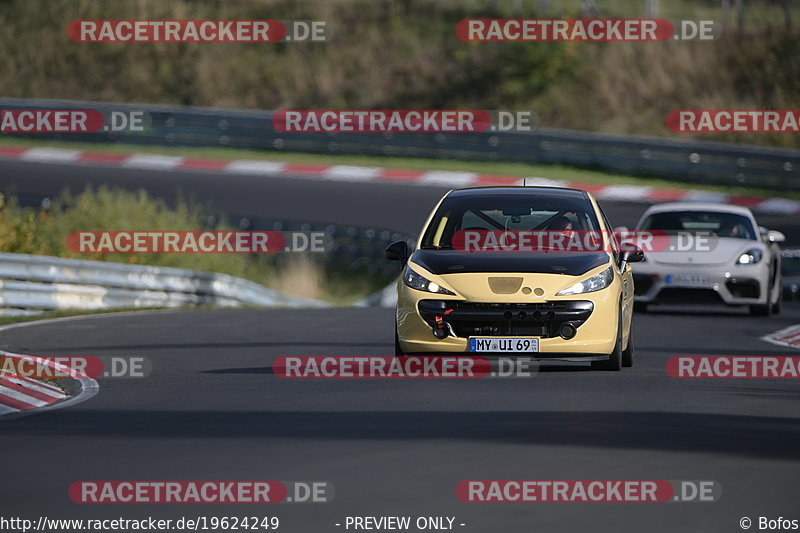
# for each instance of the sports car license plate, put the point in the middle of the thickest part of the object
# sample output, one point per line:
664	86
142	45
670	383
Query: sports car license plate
503	344
691	280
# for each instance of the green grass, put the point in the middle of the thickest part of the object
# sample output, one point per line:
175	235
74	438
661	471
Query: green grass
571	174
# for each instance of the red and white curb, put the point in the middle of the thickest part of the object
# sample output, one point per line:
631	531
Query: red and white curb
785	337
21	393
438	178
18	393
21	396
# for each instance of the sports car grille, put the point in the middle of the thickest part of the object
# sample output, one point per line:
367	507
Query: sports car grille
743	288
493	319
678	295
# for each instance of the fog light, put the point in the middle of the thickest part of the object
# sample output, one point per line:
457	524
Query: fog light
567	331
440	333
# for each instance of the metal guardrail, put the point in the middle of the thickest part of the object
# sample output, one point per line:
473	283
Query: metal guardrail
386	297
33	283
350	247
675	159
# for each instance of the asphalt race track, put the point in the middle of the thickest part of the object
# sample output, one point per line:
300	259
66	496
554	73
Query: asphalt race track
399	207
213	410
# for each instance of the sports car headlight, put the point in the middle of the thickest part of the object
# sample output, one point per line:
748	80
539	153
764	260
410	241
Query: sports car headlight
595	283
415	281
750	257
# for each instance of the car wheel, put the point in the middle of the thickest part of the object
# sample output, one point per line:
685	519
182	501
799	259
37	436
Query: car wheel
629	352
766	309
777	307
614	361
640	307
398	352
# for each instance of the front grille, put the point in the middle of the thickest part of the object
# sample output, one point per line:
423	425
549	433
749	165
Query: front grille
679	295
743	288
494	319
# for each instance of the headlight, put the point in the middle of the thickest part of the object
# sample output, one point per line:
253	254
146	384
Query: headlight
750	257
415	281
595	283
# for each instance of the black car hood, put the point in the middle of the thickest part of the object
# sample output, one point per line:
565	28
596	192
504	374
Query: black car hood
459	262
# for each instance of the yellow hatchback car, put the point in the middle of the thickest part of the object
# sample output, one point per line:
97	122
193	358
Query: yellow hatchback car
471	287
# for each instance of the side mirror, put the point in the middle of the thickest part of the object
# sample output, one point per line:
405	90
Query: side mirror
397	251
775	236
632	256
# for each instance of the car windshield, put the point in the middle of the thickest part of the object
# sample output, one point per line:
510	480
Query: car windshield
717	224
509	213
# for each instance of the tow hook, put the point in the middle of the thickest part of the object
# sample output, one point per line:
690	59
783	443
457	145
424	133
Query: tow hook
442	329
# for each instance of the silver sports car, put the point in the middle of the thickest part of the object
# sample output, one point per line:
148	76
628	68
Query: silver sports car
708	254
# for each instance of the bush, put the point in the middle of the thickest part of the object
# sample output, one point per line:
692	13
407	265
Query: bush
27	230
395	55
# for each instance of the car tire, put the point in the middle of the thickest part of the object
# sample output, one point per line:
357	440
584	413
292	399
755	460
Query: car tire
614	362
398	352
640	307
777	307
630	350
767	308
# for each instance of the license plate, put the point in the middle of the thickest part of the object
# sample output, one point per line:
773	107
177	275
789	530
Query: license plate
503	344
689	280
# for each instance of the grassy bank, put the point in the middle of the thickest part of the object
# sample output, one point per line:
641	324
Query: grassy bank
384	55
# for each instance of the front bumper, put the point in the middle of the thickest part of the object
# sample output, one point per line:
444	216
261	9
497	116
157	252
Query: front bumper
595	316
667	284
543	320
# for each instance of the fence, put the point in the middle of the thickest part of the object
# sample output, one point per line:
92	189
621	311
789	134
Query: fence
675	159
